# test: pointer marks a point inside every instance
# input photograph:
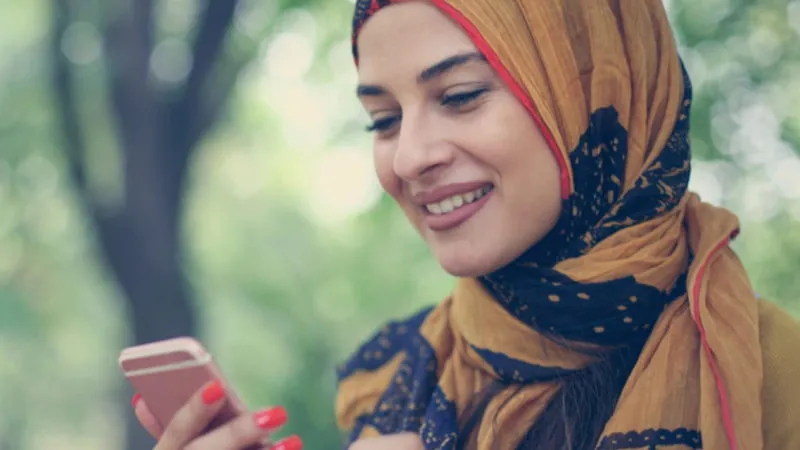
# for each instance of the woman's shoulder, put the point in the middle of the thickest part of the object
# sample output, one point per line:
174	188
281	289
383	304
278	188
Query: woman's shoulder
780	335
392	338
366	374
780	342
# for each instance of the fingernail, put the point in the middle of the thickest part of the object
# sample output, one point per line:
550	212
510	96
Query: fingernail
213	393
290	443
136	397
270	419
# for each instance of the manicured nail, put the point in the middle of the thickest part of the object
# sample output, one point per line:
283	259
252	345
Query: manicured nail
290	443
213	393
136	397
270	419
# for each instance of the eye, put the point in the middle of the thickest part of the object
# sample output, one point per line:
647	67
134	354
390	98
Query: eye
383	124
461	99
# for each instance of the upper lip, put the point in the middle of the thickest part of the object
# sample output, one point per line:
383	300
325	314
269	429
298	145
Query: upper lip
442	192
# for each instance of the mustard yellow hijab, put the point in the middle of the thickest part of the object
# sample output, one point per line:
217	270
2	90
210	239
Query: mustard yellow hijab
634	256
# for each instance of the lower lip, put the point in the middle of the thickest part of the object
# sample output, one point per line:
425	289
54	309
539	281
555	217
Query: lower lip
444	222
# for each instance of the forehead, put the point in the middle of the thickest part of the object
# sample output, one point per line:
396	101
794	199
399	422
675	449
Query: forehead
408	37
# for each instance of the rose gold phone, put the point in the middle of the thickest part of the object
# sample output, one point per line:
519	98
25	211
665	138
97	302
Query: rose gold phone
167	373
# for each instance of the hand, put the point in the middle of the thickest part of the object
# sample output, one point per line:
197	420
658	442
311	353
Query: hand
184	431
400	441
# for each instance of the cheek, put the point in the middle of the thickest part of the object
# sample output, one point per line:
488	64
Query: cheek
515	148
523	148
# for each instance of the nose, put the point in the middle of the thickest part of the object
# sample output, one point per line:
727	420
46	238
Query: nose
421	148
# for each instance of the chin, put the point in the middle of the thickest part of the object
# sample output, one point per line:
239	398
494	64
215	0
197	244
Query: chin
470	265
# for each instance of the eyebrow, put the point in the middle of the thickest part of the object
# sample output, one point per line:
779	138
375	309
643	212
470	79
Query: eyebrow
436	70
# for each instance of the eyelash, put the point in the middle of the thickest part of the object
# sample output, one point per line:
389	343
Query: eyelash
453	101
382	124
461	98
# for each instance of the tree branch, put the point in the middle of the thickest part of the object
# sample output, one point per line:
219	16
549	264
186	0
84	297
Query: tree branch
64	92
206	49
211	33
213	103
74	141
129	41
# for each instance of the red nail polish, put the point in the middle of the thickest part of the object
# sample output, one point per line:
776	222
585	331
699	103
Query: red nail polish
213	393
136	397
270	419
290	443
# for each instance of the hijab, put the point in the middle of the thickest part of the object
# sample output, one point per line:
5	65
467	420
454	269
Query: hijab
634	255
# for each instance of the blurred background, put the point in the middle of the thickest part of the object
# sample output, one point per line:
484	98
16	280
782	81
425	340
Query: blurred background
199	167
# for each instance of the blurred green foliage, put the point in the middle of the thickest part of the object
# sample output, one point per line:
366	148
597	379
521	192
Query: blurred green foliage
293	253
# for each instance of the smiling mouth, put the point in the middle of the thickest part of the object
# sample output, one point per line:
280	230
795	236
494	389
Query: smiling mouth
457	201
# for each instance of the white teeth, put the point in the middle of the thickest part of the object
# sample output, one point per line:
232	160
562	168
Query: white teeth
449	204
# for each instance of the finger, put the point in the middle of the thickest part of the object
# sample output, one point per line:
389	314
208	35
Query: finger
146	418
193	417
290	443
242	432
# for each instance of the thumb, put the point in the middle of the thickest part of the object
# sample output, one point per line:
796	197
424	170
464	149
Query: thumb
146	418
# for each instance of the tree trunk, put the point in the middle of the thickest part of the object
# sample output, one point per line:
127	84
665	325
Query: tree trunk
157	294
157	134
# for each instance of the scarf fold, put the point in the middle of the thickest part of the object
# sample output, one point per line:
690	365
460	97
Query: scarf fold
634	256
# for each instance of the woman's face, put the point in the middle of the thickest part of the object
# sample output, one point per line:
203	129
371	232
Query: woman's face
453	146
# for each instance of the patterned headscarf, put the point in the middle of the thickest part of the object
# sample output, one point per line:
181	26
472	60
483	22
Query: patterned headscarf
633	256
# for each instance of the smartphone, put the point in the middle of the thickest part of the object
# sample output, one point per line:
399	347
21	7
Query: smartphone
167	373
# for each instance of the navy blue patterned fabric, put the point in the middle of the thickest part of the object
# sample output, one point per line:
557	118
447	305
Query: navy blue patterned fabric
384	345
653	439
412	402
512	371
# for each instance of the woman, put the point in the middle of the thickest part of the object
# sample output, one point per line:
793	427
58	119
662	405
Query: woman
541	150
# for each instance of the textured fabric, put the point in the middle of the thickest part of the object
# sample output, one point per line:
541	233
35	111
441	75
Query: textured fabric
633	256
780	338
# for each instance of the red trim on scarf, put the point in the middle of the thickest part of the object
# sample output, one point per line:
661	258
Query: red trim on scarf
512	84
373	7
720	383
